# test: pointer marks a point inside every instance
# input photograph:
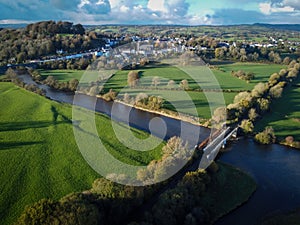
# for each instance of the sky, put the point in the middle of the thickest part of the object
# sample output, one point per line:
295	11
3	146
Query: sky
137	12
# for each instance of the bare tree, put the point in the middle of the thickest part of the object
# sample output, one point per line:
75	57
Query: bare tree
156	81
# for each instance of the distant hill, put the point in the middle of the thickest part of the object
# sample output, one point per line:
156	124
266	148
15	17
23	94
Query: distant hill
295	27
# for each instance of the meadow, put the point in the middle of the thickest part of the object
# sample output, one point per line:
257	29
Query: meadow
203	78
62	75
284	116
39	155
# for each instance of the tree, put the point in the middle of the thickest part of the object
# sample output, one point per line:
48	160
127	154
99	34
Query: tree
126	98
11	74
286	60
171	84
293	73
266	137
241	96
252	114
50	81
219	53
155	81
274	79
263	105
220	116
184	84
247	126
110	96
289	140
21	57
132	78
141	97
259	90
276	91
73	84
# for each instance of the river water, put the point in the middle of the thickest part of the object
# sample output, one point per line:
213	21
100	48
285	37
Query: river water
275	168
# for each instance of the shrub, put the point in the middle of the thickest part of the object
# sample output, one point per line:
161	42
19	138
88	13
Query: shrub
247	126
266	137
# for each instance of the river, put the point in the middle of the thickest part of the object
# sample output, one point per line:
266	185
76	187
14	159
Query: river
275	168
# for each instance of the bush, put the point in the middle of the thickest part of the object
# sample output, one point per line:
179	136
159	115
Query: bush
266	137
247	126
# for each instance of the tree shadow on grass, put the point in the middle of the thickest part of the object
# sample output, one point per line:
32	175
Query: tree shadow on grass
16	126
11	145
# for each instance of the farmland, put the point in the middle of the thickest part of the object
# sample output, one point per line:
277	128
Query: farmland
202	80
285	114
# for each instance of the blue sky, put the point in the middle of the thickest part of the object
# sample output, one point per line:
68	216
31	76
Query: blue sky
184	12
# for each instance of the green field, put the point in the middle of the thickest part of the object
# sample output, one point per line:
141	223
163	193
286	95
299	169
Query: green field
202	80
261	71
223	75
285	114
38	153
62	75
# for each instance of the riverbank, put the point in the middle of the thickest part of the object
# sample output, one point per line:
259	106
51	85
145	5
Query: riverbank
230	188
167	113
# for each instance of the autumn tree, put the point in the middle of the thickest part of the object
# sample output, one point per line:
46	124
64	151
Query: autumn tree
132	78
184	84
266	137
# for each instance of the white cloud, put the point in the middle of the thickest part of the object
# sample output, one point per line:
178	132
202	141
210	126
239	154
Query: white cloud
15	21
283	9
157	5
292	3
279	7
265	8
124	9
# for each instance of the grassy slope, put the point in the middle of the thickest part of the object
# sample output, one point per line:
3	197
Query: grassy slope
38	153
285	114
229	189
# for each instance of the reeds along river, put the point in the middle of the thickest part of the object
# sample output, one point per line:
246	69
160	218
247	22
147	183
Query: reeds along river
275	168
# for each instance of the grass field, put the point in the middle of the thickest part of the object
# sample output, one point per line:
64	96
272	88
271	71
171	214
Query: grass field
203	78
62	75
223	75
228	189
285	114
38	153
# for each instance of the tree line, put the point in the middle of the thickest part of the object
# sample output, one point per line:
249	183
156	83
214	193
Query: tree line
249	106
43	39
108	202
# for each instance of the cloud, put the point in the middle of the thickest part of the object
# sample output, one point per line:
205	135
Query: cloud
280	6
65	5
152	11
157	5
95	6
292	3
170	7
